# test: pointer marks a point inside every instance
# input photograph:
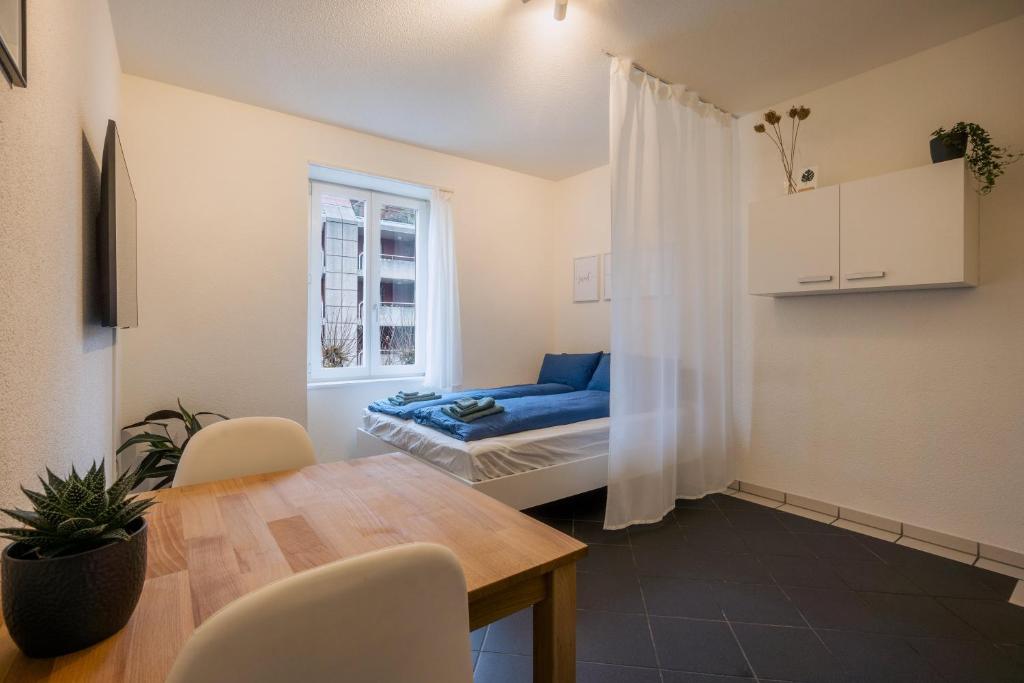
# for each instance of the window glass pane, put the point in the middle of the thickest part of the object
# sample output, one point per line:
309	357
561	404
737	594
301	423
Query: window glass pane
342	287
397	315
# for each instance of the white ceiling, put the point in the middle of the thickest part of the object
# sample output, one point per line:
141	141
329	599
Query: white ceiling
502	82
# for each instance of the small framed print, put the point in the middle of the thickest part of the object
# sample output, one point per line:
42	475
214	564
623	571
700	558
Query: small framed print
807	178
12	41
585	279
606	277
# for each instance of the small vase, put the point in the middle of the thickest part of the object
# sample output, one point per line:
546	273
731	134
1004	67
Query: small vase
58	605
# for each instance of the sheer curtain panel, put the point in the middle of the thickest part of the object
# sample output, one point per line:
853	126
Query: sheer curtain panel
443	334
672	223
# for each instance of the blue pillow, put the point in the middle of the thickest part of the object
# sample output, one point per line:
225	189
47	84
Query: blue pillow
602	378
574	369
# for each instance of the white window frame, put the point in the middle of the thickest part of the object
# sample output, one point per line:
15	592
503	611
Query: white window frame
372	367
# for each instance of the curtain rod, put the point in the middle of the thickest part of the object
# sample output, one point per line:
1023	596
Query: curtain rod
639	68
645	70
359	171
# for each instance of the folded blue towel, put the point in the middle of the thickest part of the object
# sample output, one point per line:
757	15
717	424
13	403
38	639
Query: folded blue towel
520	415
485	403
476	415
405	412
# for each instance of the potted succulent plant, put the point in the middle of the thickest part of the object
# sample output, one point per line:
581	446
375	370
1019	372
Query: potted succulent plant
985	159
75	571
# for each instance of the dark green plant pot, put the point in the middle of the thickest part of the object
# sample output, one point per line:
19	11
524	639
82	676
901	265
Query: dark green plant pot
56	606
946	147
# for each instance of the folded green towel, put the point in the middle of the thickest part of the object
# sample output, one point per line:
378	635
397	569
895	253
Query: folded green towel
465	404
471	417
483	404
399	400
409	394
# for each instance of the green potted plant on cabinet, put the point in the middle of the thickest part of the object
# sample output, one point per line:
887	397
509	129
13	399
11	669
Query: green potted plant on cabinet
75	570
985	159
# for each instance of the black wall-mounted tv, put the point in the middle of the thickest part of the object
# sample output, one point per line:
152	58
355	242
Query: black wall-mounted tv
117	232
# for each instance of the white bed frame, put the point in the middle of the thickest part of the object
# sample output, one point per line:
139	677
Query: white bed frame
521	490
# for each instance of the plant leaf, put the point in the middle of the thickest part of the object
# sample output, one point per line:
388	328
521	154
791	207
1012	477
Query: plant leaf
31	519
161	484
206	412
88	532
116	535
165	415
147	437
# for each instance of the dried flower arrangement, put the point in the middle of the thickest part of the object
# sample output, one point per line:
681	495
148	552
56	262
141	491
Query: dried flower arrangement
773	130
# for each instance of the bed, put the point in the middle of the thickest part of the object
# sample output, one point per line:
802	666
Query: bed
549	443
522	470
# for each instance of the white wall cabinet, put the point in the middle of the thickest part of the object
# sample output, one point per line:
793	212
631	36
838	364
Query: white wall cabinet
796	242
912	229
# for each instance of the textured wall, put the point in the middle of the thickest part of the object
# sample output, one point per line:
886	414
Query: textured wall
224	198
584	229
56	362
905	404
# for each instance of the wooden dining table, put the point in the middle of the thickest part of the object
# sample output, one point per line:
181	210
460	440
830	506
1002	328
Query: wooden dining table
212	543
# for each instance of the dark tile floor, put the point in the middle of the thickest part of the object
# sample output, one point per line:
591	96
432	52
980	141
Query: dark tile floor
726	590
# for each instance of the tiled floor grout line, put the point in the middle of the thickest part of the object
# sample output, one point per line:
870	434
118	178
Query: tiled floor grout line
736	638
643	601
750	665
799	611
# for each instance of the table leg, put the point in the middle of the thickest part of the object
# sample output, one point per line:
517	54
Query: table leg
554	628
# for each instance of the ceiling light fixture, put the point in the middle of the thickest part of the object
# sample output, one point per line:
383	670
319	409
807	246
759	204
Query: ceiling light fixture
560	8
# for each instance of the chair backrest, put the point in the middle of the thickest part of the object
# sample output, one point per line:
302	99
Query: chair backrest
244	445
398	614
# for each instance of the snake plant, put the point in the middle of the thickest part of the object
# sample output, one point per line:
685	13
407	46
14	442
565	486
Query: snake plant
162	452
76	514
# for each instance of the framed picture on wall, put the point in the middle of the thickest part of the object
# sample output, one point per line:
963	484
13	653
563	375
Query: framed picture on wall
12	41
585	279
606	277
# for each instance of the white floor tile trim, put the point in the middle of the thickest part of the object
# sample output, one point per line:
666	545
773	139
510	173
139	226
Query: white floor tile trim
963	550
760	500
1000	568
866	530
809	514
1018	595
939	550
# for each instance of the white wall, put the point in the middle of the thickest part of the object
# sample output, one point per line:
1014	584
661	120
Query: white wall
583	229
223	196
56	362
905	404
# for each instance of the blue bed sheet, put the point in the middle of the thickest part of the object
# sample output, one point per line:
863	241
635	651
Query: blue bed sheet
514	391
521	415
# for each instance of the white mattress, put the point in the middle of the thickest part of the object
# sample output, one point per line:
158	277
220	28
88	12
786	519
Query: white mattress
497	456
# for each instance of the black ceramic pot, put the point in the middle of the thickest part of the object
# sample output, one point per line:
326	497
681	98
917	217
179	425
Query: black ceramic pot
946	147
55	606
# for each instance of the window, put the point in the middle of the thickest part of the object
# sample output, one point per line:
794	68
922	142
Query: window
366	283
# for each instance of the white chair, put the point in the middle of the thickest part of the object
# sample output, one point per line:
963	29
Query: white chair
244	445
398	615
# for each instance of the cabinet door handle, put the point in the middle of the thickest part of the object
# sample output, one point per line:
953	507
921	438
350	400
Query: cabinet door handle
866	275
814	278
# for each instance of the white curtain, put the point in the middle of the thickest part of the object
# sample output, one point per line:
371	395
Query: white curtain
672	220
442	345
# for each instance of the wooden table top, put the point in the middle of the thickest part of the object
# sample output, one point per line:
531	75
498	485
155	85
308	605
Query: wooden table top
211	543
